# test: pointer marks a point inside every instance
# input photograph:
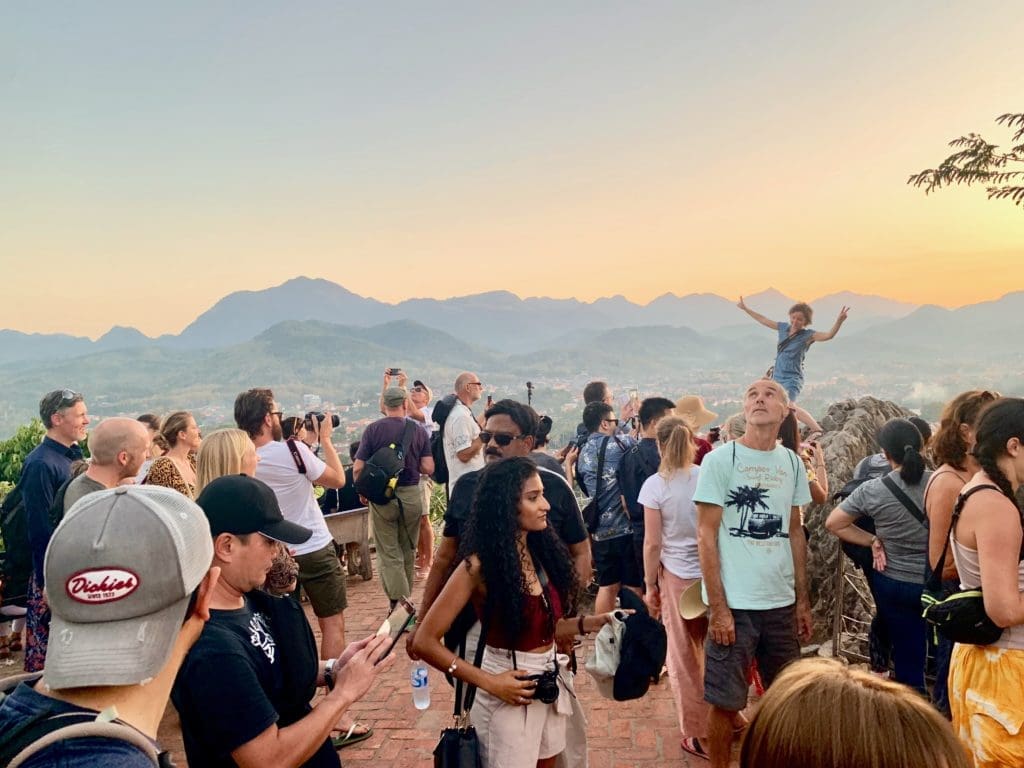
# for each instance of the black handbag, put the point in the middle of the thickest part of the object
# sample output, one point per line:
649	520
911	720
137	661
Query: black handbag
459	746
959	616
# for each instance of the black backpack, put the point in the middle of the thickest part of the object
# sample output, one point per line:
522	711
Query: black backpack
379	478
442	410
644	646
17	566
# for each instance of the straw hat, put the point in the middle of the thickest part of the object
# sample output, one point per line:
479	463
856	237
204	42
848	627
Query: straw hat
690	408
691	604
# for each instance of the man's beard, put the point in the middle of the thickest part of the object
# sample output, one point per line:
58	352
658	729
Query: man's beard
276	432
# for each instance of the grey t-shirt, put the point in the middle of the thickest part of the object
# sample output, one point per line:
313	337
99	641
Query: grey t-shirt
904	538
81	486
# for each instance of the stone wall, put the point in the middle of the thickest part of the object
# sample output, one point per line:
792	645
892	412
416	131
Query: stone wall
850	428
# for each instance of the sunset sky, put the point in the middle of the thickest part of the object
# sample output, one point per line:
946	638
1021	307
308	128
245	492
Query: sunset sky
155	157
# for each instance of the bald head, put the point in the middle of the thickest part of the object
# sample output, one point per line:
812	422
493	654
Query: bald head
468	387
119	441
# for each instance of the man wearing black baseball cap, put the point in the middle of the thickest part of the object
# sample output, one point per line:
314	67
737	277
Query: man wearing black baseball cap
243	692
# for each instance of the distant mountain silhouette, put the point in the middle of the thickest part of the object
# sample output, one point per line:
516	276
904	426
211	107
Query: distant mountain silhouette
496	320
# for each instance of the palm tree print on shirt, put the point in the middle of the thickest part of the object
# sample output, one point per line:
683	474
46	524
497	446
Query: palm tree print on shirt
757	525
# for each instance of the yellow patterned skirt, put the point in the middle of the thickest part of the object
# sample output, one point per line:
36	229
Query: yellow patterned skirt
986	696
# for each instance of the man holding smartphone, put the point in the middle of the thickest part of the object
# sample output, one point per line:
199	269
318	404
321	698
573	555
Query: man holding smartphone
244	689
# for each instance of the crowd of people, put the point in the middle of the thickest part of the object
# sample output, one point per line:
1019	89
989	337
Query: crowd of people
169	565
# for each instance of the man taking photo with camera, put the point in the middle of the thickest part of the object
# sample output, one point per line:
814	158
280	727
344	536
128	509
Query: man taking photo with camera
291	470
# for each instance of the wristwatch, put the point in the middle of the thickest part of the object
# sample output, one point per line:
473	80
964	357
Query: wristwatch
329	674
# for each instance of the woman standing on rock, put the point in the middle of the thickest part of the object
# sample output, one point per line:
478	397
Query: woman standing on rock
985	695
899	546
951	451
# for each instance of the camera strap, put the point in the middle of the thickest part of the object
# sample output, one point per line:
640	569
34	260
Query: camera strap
296	456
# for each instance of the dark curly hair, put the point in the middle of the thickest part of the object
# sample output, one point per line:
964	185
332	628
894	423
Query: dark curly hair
490	534
1001	420
948	446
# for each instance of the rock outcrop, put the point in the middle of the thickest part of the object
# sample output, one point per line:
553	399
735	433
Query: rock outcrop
850	428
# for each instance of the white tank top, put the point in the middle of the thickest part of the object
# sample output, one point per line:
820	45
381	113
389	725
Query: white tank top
967	566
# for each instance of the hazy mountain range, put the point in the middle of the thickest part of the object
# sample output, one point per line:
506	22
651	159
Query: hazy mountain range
315	336
498	319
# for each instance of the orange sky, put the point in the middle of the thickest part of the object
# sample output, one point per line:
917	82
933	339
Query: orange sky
156	165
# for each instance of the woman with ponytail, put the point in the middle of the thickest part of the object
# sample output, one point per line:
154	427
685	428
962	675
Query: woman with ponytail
671	564
899	546
985	694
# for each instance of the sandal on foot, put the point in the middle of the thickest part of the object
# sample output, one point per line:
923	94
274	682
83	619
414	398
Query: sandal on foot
351	737
692	745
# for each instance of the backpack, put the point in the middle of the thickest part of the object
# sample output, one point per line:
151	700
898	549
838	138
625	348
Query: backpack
19	744
442	410
643	650
18	555
379	478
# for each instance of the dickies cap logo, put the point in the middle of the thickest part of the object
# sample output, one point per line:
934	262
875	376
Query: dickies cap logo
101	585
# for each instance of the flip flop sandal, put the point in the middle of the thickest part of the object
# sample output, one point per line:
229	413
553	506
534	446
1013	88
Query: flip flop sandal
350	738
692	745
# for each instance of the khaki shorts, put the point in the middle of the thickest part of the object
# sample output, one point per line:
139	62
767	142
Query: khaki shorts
322	579
427	488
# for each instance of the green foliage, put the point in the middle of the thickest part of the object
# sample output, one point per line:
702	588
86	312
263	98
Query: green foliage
978	162
14	450
438	504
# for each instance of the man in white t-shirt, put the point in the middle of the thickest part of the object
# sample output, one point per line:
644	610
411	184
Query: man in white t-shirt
463	450
753	557
291	470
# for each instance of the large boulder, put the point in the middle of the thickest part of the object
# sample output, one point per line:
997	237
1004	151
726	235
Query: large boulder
850	428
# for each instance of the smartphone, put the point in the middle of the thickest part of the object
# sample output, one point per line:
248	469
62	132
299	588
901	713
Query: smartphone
490	400
394	371
397	623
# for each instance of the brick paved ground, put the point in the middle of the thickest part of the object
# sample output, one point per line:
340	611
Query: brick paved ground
621	734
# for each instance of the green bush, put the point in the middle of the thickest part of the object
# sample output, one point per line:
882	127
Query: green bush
14	450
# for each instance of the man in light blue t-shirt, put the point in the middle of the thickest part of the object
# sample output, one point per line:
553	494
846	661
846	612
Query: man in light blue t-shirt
753	557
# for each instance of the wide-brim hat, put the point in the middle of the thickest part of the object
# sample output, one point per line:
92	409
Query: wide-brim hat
690	408
691	603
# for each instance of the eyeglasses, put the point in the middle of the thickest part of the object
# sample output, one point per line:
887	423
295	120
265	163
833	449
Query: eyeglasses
475	384
503	439
611	421
279	414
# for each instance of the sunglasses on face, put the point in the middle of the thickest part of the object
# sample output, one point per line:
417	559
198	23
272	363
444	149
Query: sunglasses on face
503	439
611	421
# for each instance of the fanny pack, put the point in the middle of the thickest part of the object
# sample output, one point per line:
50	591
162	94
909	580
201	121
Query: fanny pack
959	616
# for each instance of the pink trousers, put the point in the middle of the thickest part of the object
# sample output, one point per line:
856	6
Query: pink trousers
685	657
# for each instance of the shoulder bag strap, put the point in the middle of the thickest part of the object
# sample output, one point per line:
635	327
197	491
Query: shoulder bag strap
785	342
296	456
91	729
905	500
600	468
407	436
477	660
935	581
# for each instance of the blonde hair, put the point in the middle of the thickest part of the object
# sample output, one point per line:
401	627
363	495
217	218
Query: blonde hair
735	426
220	454
675	444
173	424
820	712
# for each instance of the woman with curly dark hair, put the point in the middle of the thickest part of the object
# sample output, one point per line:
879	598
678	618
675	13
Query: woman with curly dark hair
519	578
950	449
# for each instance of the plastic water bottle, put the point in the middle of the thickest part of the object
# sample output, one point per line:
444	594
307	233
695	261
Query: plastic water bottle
420	685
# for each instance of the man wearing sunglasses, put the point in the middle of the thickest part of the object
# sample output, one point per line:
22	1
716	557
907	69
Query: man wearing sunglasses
46	468
463	449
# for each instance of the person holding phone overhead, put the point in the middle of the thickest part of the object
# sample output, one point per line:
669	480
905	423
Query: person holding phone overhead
519	578
244	689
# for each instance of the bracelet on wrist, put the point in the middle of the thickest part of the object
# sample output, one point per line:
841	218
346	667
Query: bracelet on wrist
329	674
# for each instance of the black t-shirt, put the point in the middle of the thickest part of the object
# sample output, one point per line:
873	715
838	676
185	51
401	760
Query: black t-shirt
564	516
232	687
636	466
548	461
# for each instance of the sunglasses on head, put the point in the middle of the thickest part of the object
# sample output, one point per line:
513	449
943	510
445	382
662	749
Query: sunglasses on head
69	395
501	438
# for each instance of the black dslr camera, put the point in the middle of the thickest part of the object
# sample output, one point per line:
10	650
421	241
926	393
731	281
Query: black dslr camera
313	419
547	685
